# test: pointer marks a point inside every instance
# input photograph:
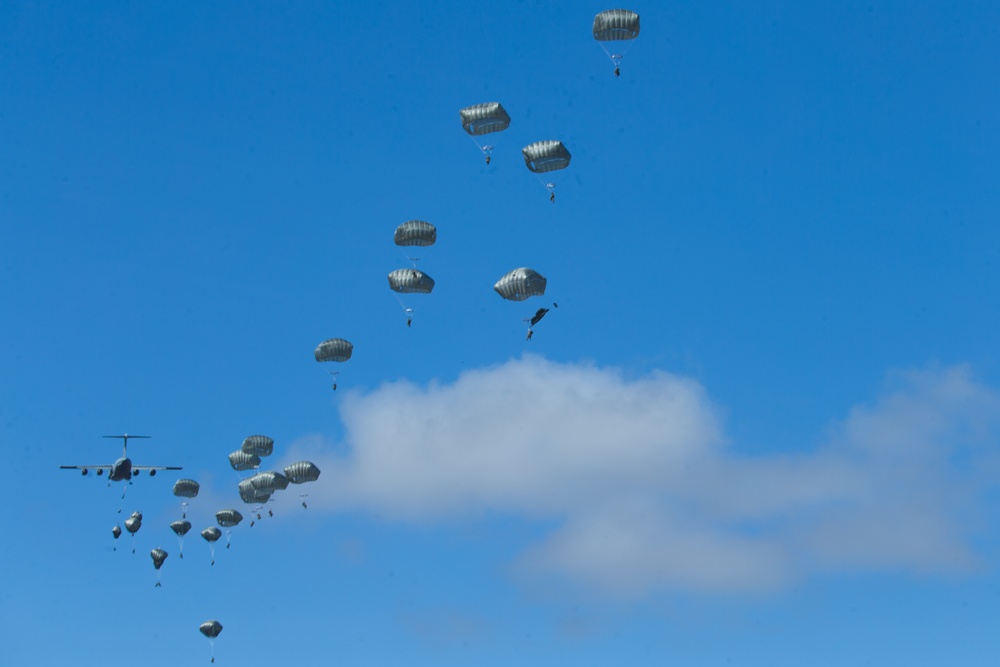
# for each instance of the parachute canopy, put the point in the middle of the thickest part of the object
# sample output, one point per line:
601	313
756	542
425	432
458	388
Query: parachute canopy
240	460
410	281
415	232
180	527
261	445
210	629
520	284
228	518
545	156
616	24
484	118
539	314
334	349
268	481
251	495
186	488
302	471
158	556
211	534
134	522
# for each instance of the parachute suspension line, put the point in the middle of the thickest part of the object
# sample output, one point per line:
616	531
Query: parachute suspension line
229	534
184	509
303	496
486	149
411	260
407	311
616	58
180	546
211	642
158	584
211	550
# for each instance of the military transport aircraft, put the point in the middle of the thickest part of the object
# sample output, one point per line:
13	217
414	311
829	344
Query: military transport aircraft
122	469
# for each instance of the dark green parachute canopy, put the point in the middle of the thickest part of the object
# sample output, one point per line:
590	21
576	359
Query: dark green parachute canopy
240	460
410	281
158	556
251	495
302	471
415	232
616	24
268	481
520	284
186	488
116	531
180	527
134	522
211	534
480	119
545	156
261	445
210	629
334	349
228	518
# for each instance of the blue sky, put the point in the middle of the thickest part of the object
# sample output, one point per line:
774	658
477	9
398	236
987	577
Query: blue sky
761	428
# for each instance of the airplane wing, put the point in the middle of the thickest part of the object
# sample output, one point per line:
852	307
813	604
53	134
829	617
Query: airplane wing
157	468
97	465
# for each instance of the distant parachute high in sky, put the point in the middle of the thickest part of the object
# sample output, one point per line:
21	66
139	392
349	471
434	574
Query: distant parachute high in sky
334	349
261	445
132	525
228	519
211	629
611	29
241	460
301	472
482	119
544	157
158	556
521	284
415	233
181	529
211	536
186	488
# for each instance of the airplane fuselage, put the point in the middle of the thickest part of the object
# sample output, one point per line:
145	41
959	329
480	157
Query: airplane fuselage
121	471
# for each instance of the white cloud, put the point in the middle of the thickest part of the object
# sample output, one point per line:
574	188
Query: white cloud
644	489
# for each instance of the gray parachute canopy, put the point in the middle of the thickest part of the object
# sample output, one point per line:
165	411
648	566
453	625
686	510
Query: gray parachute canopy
334	349
228	518
268	481
158	556
116	531
544	156
520	284
211	534
134	522
616	24
261	445
415	232
240	460
252	496
186	488
410	281
302	471
210	629
180	527
480	119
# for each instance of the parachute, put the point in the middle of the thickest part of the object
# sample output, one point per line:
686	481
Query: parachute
186	488
482	119
520	284
268	481
252	495
181	528
539	314
302	471
543	157
241	460
132	525
415	233
616	25
261	445
410	281
158	556
211	536
334	349
116	532
228	519
211	629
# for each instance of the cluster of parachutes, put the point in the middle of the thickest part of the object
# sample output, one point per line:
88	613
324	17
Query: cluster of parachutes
257	489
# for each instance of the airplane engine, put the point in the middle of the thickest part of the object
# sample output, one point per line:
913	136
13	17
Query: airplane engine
100	471
84	472
152	473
